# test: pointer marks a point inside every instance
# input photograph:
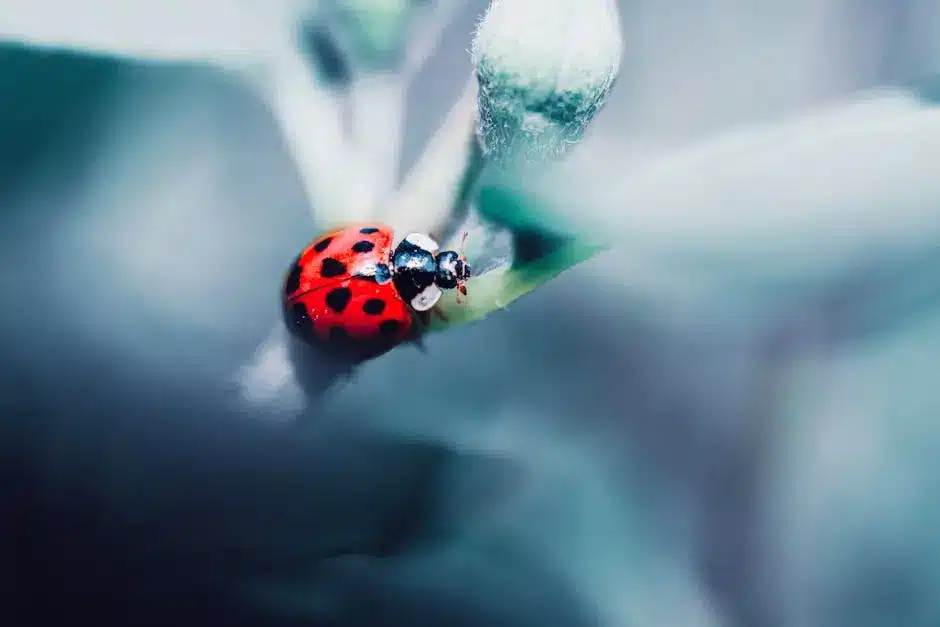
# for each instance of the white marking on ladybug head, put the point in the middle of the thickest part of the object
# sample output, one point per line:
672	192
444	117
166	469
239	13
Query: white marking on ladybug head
427	298
423	240
448	264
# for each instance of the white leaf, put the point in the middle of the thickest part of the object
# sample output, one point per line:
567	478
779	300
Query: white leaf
341	189
804	199
162	30
436	191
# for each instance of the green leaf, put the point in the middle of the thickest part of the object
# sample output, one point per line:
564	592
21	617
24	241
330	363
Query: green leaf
546	253
499	202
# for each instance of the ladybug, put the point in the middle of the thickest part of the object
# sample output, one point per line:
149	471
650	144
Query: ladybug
350	294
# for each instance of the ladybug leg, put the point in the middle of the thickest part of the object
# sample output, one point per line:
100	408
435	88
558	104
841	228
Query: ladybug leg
424	317
439	313
461	251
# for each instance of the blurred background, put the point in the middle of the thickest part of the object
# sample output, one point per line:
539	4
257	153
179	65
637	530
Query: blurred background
604	452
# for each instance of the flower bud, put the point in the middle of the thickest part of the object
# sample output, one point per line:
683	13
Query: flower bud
544	68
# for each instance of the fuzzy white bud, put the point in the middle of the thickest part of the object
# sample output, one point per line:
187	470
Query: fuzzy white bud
544	68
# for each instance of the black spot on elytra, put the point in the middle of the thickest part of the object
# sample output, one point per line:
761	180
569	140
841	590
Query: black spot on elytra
363	246
332	268
298	321
389	327
338	299
374	306
367	230
322	244
292	283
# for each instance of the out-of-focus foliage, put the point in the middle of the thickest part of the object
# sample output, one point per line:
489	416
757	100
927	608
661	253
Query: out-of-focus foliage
662	436
34	122
694	209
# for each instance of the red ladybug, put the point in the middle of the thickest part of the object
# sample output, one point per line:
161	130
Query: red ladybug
350	294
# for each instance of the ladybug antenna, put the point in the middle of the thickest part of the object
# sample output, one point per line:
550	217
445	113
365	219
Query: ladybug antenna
464	272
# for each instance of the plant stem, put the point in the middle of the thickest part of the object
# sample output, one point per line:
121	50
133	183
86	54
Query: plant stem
437	191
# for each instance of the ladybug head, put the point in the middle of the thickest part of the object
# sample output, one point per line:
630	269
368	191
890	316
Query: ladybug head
451	270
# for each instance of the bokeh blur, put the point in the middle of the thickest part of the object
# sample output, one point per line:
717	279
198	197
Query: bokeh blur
627	446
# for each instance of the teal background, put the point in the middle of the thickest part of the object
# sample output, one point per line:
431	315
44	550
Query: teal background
602	447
